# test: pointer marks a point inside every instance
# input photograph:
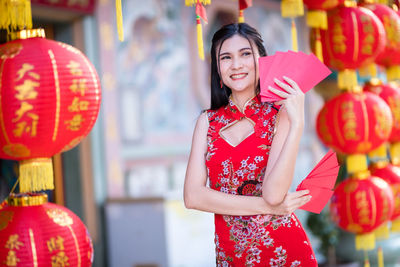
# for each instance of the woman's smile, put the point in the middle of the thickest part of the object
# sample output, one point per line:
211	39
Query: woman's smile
238	76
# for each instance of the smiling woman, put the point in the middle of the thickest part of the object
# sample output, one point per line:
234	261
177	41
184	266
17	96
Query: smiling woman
248	158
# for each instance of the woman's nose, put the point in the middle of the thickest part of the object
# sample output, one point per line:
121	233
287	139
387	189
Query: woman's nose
236	63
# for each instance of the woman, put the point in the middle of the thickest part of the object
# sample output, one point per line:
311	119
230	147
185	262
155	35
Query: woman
249	159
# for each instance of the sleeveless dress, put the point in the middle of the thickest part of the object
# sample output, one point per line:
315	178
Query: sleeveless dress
258	240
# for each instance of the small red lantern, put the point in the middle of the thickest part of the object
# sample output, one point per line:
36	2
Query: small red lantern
361	205
49	101
36	233
322	4
354	123
390	174
391	95
391	23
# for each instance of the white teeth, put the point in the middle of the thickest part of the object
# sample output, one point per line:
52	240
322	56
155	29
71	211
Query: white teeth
238	76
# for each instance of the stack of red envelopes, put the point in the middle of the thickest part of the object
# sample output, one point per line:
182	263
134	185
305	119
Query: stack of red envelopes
306	70
320	182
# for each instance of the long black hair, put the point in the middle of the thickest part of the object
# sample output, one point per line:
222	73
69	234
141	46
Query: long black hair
220	96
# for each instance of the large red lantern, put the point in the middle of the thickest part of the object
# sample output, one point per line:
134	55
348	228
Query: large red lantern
391	23
49	101
361	205
354	38
391	95
36	233
354	123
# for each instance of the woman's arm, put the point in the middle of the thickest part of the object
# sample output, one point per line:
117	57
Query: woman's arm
198	196
285	145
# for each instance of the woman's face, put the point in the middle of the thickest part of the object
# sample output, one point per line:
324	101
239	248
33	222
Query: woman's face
238	65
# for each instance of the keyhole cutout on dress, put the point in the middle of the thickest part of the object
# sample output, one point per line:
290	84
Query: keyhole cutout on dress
237	131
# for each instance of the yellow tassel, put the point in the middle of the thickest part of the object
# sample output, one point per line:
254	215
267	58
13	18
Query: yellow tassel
292	8
382	232
317	19
394	151
15	15
366	263
347	79
36	175
379	153
380	257
356	163
395	226
393	73
294	37
200	38
193	2
369	70
28	14
318	46
241	16
365	241
120	26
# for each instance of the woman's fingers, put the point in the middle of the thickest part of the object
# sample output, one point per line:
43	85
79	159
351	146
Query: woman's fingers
292	83
278	92
288	88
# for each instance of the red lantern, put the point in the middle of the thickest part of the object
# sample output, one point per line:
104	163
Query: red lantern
354	38
50	98
36	233
49	101
354	123
391	23
360	206
391	95
390	174
322	4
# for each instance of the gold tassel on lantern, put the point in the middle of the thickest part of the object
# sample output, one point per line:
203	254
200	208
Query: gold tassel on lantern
318	46
356	163
380	257
292	8
365	241
369	70
347	79
193	2
294	37
120	26
393	73
382	232
395	226
15	15
317	19
394	151
36	175
241	16
200	38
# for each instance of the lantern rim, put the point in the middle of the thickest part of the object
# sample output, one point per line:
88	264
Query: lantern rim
27	199
28	33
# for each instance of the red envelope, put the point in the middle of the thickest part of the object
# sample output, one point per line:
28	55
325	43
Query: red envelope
320	197
320	181
306	70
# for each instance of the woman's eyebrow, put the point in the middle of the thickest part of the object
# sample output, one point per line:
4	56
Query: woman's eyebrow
240	50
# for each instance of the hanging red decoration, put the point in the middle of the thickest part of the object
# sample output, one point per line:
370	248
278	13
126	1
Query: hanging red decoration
354	38
390	174
49	101
391	23
243	4
322	4
354	123
360	205
391	94
36	233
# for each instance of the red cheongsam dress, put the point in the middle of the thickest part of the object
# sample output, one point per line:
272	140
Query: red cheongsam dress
258	240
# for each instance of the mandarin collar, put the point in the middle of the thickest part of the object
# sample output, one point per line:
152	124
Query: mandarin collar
248	108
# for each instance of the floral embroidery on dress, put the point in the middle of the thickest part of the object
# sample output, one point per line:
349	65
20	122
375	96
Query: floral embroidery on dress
280	258
222	259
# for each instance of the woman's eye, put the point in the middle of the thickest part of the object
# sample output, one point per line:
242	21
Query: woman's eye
225	57
246	53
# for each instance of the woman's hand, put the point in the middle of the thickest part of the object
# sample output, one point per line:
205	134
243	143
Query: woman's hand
291	202
293	100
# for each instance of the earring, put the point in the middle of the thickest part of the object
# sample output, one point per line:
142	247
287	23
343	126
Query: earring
220	81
